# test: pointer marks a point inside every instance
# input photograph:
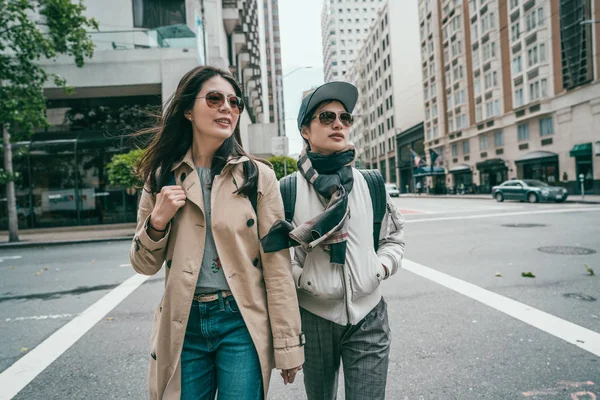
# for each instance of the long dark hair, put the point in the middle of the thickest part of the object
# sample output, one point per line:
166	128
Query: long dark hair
171	138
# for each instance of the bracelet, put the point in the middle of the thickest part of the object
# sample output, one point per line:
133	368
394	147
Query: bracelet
157	230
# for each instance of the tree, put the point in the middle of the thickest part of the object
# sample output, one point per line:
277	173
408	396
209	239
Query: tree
121	170
278	166
57	27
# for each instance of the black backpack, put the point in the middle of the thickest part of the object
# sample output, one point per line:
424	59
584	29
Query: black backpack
287	186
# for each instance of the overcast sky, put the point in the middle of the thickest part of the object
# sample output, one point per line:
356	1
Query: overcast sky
300	24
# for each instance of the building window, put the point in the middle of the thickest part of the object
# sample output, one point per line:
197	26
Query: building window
454	150
523	132
515	32
519	97
483	142
546	127
479	113
499	139
517	65
152	14
534	91
513	3
466	147
491	80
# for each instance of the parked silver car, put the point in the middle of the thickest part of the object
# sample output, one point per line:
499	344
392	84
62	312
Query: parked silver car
530	190
392	190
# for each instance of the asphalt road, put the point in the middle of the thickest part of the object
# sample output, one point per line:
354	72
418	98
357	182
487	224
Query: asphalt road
466	323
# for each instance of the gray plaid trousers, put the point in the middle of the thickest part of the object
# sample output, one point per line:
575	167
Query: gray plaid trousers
364	350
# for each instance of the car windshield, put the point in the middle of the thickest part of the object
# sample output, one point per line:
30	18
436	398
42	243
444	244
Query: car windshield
535	183
390	186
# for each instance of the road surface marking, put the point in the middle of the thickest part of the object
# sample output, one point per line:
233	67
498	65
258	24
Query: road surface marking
407	211
125	265
566	210
10	258
40	317
568	331
18	375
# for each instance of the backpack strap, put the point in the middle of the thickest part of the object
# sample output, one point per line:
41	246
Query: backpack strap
287	187
378	200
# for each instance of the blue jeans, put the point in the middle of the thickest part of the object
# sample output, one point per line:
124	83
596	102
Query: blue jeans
219	355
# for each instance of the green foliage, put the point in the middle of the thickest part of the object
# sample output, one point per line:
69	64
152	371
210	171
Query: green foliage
5	177
58	27
124	119
122	167
278	166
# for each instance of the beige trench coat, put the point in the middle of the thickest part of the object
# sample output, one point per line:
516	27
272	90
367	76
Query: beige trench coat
262	283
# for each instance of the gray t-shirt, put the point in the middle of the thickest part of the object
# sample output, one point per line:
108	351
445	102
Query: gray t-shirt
211	278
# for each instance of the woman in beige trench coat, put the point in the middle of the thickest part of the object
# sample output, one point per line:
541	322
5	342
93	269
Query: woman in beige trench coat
229	312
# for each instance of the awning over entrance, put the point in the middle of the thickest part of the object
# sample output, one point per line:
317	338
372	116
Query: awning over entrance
460	169
581	150
427	171
494	163
537	156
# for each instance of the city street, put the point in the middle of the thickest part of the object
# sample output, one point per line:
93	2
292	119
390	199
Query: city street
466	324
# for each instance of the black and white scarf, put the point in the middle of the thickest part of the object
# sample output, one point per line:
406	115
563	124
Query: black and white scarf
331	177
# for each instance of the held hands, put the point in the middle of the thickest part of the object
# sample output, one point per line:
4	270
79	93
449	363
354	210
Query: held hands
168	201
289	375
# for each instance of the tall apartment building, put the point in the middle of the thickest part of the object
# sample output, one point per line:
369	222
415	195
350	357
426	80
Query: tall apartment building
344	26
274	69
387	72
511	90
141	52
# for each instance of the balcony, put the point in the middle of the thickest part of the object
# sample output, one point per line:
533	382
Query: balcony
239	41
231	15
173	36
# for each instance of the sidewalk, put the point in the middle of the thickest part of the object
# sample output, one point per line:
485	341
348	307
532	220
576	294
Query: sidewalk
589	199
69	235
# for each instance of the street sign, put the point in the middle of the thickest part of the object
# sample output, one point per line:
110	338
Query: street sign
279	145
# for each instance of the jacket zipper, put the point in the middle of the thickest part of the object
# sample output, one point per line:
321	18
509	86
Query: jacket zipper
346	294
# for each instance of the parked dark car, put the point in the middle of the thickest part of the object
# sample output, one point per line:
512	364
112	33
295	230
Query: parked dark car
530	190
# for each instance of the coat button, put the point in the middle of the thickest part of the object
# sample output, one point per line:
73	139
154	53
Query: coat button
255	262
250	223
183	176
153	355
308	283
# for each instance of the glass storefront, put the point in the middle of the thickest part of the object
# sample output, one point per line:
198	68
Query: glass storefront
63	181
491	173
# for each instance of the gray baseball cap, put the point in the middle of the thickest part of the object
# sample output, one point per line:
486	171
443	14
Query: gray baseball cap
344	92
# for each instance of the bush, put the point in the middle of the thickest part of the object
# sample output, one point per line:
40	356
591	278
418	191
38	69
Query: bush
121	169
278	166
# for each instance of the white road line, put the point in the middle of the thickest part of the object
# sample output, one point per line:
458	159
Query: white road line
39	317
565	330
559	211
18	375
10	258
125	265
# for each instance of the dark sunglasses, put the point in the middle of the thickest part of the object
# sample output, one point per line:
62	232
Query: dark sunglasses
329	117
216	100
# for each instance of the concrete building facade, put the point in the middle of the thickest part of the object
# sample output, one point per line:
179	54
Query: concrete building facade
387	73
345	24
511	90
142	49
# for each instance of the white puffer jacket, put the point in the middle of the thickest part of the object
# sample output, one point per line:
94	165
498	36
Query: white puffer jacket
347	294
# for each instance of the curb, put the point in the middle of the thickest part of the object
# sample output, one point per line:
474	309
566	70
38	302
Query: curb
26	244
458	197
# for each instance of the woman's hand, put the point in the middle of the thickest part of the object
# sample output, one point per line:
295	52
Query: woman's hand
289	375
168	201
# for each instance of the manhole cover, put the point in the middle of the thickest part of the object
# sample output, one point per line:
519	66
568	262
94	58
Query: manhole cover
523	225
567	250
579	296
